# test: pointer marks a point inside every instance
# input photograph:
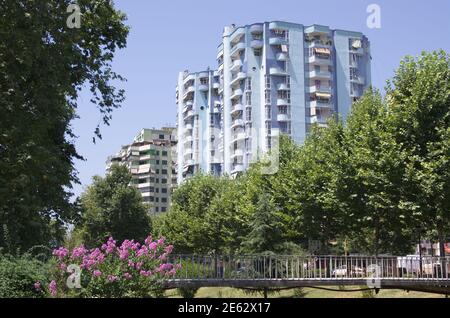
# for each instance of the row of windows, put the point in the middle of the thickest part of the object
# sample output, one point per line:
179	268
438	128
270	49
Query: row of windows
150	161
153	152
150	180
156	199
154	190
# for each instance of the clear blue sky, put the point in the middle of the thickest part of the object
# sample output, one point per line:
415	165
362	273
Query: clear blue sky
173	35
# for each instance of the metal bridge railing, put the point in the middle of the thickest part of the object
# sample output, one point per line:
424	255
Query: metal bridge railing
291	267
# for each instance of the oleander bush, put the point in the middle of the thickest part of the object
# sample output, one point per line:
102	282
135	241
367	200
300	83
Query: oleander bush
131	269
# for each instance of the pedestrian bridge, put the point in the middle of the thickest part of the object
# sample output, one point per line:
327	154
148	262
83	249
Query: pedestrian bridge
430	274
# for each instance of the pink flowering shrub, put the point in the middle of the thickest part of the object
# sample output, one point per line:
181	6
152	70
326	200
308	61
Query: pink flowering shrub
130	269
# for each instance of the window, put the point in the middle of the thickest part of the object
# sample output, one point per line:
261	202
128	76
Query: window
164	171
152	179
164	200
267	80
283	109
163	209
163	190
151	199
248	114
157	171
157	162
268	142
248	98
257	52
288	81
157	190
267	96
268	127
211	119
204	81
163	181
161	136
164	153
268	112
156	209
151	189
156	199
248	83
164	162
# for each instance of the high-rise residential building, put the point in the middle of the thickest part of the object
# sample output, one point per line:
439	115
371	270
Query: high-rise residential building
151	159
198	123
274	77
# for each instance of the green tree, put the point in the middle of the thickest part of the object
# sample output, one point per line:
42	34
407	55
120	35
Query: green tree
265	231
44	64
419	100
381	214
111	207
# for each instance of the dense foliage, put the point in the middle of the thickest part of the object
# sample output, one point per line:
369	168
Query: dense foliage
369	185
43	66
110	207
18	275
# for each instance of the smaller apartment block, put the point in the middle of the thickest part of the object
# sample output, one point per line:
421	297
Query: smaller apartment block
151	160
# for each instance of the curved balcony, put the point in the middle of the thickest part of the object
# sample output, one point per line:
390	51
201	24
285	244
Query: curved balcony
203	75
277	41
216	85
236	65
188	126
238	137
320	75
256	29
237	153
188	114
277	71
188	78
283	117
318	119
237	123
282	87
320	89
236	93
357	79
237	168
188	151
203	87
188	139
189	103
256	44
237	34
319	44
282	56
282	101
236	49
237	77
236	108
320	104
189	162
319	60
275	26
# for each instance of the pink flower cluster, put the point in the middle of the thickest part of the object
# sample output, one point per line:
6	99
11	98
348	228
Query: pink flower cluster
112	263
61	252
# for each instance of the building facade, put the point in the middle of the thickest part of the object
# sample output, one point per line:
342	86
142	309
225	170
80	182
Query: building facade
198	123
151	160
276	77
